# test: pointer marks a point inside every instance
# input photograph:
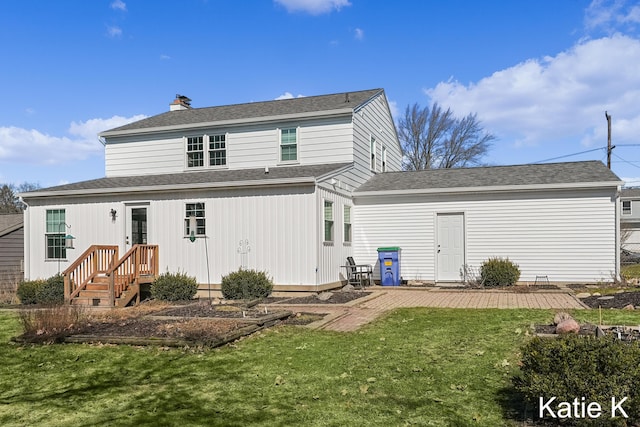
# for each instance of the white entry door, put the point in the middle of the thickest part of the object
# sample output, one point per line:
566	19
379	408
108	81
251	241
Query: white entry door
136	225
450	247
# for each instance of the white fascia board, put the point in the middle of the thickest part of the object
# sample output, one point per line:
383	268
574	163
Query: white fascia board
490	189
283	182
235	122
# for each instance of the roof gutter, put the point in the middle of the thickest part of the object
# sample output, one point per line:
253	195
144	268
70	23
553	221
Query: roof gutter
233	122
489	189
281	182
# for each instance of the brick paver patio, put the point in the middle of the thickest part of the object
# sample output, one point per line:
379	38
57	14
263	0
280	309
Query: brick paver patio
350	317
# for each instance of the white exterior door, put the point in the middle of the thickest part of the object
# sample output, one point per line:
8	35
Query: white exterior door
136	225
450	247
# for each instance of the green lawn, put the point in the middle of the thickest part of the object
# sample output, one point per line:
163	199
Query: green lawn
437	367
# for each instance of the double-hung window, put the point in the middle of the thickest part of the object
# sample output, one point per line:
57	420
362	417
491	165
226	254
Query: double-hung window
217	150
328	221
195	151
626	207
288	145
384	158
54	234
347	224
372	153
195	211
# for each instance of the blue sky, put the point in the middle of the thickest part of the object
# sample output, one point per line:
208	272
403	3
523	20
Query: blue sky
539	74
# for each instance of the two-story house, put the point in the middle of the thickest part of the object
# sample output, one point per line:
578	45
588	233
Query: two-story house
293	187
630	224
264	185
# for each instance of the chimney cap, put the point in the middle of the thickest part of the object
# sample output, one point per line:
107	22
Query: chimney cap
180	103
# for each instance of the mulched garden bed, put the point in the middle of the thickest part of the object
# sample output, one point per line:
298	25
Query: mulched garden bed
621	332
619	300
340	297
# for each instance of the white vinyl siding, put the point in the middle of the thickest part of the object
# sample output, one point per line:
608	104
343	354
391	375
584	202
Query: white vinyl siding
279	223
567	236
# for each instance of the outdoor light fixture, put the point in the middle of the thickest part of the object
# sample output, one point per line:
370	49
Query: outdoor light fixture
113	214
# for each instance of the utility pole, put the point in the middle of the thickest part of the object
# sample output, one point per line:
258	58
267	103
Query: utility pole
609	147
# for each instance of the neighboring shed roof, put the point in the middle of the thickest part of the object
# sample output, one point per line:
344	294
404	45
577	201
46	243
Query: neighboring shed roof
10	223
186	180
250	111
535	175
630	193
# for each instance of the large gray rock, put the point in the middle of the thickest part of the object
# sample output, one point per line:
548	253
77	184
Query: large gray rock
568	326
559	317
324	296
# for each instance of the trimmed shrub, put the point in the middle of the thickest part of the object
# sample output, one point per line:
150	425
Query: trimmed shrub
28	290
174	287
499	272
246	284
51	291
571	367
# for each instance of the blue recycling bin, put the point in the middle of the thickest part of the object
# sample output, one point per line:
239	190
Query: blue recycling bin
389	259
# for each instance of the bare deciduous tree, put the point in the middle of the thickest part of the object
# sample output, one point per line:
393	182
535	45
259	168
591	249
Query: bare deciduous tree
9	201
434	138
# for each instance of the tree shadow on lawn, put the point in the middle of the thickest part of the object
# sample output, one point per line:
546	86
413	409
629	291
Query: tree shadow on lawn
514	406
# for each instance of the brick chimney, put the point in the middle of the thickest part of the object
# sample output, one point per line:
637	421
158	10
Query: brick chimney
180	103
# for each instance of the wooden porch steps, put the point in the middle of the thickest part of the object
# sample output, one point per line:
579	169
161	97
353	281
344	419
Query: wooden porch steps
100	278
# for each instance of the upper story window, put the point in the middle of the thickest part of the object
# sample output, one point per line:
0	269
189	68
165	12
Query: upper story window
288	145
384	159
55	233
195	151
217	150
626	207
372	152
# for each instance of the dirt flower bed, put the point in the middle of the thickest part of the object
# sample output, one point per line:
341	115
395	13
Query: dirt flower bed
339	297
618	300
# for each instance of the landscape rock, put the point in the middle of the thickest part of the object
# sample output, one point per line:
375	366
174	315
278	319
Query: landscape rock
605	298
568	326
561	316
324	296
628	307
348	288
583	295
596	294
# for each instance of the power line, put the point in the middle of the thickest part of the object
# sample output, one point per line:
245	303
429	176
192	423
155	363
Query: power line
570	155
629	163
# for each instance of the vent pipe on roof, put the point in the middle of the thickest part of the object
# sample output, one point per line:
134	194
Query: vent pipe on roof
180	103
346	97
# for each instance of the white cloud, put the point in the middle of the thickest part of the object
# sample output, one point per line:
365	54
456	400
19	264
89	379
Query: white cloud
34	147
612	15
164	57
288	95
358	33
119	5
314	7
564	96
114	32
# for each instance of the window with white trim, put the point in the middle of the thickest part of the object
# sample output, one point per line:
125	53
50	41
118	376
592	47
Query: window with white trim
347	224
328	221
195	151
217	150
288	145
195	210
384	158
626	207
54	234
372	152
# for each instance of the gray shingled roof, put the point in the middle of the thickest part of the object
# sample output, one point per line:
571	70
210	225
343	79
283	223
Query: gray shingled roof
493	176
630	192
10	222
253	110
214	177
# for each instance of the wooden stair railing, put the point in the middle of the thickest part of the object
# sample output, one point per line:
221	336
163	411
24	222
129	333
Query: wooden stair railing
97	259
139	264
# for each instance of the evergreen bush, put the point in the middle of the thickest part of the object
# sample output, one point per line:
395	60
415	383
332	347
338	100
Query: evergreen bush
499	272
174	287
51	291
246	284
28	290
570	367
